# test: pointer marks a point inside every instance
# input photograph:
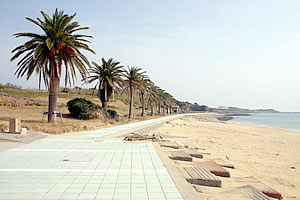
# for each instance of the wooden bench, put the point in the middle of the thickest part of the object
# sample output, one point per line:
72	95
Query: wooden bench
223	163
194	153
180	155
260	186
253	193
200	176
169	144
213	168
55	114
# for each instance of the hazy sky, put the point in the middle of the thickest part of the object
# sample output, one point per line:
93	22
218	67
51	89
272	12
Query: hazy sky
216	52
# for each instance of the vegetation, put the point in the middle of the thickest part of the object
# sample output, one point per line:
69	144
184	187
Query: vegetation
112	114
10	86
47	53
59	49
109	76
197	107
83	109
133	78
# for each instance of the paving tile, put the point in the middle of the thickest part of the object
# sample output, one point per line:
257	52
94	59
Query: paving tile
155	195
114	168
69	196
172	195
86	196
120	196
106	190
73	190
139	196
104	196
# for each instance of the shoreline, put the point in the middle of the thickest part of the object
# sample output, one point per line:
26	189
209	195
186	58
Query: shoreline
285	120
271	155
265	126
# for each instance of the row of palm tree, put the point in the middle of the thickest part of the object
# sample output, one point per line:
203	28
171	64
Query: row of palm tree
60	47
111	76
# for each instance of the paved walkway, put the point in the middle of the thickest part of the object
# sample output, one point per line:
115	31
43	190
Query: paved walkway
86	167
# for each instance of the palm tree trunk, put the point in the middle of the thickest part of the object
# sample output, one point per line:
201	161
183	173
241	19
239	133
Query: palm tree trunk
152	109
163	109
53	91
99	94
113	93
159	108
105	103
143	104
170	109
131	102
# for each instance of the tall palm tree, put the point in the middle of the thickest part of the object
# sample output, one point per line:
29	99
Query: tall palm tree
48	52
152	96
144	90
109	75
133	78
160	98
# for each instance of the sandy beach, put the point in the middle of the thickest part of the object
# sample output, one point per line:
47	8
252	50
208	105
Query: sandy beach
270	155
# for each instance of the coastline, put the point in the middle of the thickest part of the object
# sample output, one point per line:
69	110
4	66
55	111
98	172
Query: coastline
281	120
265	126
271	155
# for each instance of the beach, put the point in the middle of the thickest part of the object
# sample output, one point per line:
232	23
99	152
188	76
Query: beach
270	155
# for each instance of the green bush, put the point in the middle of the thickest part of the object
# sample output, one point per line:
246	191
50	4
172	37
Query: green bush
33	104
112	114
10	86
82	108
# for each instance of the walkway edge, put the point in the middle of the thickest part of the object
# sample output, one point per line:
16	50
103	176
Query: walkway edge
186	189
143	129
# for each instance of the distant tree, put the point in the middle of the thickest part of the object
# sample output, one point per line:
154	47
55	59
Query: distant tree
109	76
47	53
144	91
197	107
133	78
152	96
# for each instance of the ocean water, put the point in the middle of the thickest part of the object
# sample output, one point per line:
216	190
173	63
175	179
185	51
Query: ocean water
284	120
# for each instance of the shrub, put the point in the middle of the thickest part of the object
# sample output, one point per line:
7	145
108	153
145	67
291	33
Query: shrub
10	86
112	114
33	104
65	90
82	108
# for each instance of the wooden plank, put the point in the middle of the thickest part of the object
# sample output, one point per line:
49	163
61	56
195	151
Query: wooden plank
213	168
260	186
180	155
201	176
253	193
223	163
169	144
197	188
194	153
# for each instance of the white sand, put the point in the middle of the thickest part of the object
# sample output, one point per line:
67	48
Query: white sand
270	155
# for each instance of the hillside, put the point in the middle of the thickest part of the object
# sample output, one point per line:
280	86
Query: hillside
31	112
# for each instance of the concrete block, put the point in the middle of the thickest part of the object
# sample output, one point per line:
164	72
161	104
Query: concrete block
15	125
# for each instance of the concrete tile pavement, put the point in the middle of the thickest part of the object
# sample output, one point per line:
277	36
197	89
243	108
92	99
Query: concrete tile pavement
86	167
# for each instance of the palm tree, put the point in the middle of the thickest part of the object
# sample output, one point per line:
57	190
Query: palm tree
160	98
144	89
152	96
47	53
133	78
109	75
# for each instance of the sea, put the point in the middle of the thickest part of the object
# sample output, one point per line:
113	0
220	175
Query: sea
282	120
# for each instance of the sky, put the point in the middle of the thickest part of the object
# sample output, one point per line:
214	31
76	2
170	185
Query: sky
217	53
